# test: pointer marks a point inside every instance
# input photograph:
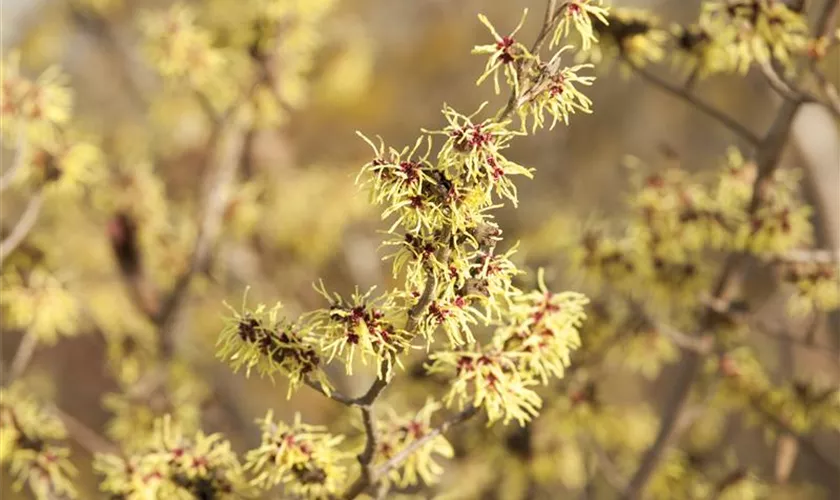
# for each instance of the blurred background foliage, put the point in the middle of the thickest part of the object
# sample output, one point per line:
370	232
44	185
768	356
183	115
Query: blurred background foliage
380	66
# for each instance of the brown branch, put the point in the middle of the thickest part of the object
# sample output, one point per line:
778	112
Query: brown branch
608	469
366	475
23	356
335	396
23	226
17	163
86	437
216	201
683	94
406	452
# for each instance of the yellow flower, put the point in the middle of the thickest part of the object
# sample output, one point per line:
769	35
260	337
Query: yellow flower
506	55
303	458
396	432
34	110
579	14
41	304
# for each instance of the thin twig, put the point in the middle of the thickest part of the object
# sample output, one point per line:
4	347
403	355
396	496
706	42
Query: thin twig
87	438
17	163
336	396
552	13
681	93
406	452
216	201
832	98
23	226
23	356
608	468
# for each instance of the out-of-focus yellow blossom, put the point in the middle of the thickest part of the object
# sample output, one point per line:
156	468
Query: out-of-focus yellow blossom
753	31
645	353
816	287
40	303
28	445
310	236
781	221
173	464
36	109
66	167
179	48
698	52
633	34
136	411
243	211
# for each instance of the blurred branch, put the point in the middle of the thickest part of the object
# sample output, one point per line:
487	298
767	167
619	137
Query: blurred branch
228	158
788	90
99	29
685	95
17	163
608	468
23	226
830	465
832	102
87	438
23	356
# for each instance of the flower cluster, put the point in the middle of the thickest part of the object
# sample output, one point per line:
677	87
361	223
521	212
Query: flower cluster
174	465
816	286
543	328
754	31
303	458
798	405
505	55
676	220
30	446
136	411
488	379
396	432
579	14
179	48
36	119
363	324
443	208
38	302
557	93
633	34
534	345
541	87
264	340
